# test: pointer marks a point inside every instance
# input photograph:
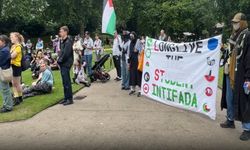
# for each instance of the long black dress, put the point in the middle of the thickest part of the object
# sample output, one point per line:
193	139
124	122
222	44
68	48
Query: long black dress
242	101
133	61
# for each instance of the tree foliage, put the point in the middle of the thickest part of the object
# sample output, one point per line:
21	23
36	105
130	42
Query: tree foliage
37	17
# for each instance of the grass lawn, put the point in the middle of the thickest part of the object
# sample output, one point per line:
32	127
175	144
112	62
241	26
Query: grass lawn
34	105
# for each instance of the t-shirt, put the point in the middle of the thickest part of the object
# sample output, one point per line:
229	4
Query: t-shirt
47	77
98	44
17	60
89	43
117	42
39	45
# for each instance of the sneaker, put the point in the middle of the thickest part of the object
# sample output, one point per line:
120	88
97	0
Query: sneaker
4	110
127	89
245	136
123	88
139	94
68	102
228	124
62	102
16	101
20	99
132	92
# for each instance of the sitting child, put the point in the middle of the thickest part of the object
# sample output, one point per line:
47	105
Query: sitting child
44	83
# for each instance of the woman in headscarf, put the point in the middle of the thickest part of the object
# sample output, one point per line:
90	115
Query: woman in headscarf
134	48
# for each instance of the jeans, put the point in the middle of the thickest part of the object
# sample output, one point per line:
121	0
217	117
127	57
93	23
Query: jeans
117	63
246	126
6	94
88	59
65	73
125	74
229	99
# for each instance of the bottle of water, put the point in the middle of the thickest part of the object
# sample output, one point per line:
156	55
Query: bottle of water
247	91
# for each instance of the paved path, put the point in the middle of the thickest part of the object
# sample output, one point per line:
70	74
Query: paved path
110	119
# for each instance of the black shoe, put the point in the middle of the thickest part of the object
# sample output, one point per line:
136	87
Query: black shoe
16	101
245	136
228	124
132	92
68	102
4	110
123	88
126	89
62	102
139	94
20	99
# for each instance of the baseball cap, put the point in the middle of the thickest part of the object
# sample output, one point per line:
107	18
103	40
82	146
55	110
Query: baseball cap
239	17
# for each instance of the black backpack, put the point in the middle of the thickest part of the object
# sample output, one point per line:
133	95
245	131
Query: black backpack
24	63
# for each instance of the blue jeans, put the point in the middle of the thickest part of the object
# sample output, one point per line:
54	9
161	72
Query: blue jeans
67	87
88	59
6	94
230	100
246	126
125	74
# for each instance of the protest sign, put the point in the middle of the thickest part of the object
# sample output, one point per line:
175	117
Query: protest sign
183	75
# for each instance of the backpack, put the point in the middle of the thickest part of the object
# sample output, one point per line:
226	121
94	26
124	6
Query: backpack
24	63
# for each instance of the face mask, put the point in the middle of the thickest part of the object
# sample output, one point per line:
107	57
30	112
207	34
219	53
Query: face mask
236	26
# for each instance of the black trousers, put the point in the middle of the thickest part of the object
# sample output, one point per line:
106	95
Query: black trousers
65	73
117	63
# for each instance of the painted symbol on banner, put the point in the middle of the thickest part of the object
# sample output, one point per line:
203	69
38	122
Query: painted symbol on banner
146	76
210	62
146	88
206	108
213	44
209	91
148	52
210	77
147	64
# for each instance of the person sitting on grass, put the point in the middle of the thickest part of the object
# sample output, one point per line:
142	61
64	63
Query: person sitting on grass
44	83
53	62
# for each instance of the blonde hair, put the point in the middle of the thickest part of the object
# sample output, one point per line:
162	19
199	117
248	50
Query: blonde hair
19	36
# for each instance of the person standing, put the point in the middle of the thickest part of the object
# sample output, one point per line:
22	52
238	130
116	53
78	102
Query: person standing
98	47
77	48
140	47
240	72
117	54
16	63
88	44
39	44
5	58
163	36
134	49
65	61
227	101
125	60
29	47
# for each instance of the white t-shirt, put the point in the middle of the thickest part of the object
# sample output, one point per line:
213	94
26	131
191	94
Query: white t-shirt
117	42
98	45
90	44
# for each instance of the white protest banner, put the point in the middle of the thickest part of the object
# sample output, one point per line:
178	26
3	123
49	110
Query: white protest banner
183	75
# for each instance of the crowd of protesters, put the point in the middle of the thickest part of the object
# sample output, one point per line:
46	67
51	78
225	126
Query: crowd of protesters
17	56
128	53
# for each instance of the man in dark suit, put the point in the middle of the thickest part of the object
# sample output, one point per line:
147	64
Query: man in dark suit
65	62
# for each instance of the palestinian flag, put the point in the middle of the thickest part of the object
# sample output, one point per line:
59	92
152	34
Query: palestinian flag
108	17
